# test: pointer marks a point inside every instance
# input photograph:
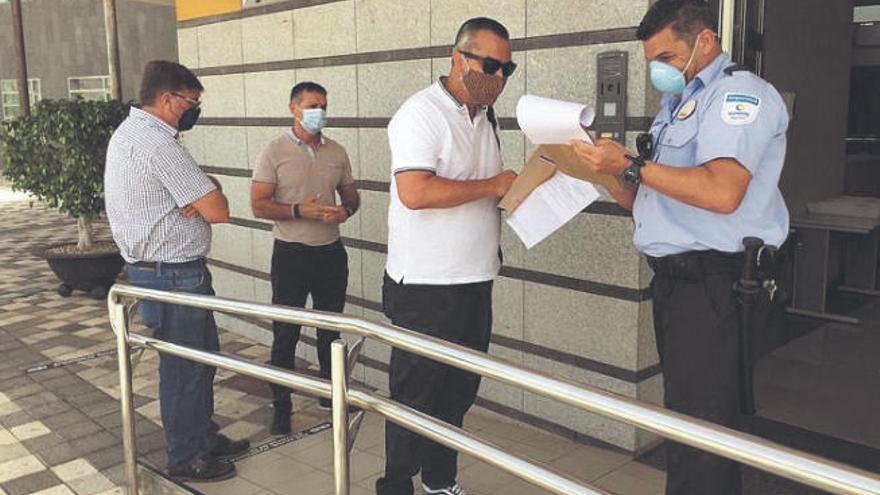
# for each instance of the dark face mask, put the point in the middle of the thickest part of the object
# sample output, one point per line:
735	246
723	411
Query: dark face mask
188	119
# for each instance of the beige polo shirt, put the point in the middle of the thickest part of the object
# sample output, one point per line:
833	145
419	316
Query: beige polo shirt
299	172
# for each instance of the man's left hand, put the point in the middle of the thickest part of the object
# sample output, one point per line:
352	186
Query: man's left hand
338	215
606	156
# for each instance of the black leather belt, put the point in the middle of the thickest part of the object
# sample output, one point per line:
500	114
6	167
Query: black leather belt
184	264
298	246
695	265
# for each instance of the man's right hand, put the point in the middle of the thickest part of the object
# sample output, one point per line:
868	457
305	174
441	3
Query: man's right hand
503	181
311	209
189	211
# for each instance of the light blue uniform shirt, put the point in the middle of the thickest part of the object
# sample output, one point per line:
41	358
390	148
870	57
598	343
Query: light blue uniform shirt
737	116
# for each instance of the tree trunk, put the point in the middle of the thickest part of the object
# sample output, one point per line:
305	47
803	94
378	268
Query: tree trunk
84	226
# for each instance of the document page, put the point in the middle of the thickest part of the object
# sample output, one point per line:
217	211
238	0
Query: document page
549	121
550	206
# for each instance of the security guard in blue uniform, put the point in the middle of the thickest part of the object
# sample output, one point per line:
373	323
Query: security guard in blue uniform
705	178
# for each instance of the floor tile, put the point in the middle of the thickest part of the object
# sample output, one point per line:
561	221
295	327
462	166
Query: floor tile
56	490
75	469
234	486
30	430
634	479
17	468
91	484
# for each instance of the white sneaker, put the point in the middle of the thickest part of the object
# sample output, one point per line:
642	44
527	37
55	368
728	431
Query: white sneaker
448	490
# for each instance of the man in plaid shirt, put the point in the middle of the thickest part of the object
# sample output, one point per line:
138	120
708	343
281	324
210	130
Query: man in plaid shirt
161	205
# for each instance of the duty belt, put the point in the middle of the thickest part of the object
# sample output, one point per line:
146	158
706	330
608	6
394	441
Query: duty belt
696	265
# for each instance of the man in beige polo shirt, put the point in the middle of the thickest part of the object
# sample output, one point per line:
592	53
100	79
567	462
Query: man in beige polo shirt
295	182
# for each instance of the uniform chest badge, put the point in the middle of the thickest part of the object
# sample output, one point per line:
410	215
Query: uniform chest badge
740	108
687	110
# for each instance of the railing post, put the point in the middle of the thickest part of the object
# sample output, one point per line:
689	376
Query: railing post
339	388
355	420
121	325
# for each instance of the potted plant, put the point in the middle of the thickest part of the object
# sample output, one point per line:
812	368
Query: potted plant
57	154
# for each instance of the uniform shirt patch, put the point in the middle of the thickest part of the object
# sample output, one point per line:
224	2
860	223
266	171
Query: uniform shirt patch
740	109
687	110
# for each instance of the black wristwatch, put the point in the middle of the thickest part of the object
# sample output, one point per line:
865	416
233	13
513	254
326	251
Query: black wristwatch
350	211
633	173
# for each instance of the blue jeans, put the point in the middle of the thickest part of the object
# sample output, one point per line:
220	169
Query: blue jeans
186	388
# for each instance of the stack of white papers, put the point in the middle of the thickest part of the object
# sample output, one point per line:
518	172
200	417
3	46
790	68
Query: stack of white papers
548	121
558	199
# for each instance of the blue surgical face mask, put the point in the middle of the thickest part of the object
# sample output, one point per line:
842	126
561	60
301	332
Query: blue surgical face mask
668	79
313	120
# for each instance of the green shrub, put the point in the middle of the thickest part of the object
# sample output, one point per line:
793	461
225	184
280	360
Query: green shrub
58	153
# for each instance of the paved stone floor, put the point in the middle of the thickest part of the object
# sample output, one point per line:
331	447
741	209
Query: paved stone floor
59	415
59	419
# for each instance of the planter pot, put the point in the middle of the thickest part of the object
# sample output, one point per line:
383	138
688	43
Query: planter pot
90	272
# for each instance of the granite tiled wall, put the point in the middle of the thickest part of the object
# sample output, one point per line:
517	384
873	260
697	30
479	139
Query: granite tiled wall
575	305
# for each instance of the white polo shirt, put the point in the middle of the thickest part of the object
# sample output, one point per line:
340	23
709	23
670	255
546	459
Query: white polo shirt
443	246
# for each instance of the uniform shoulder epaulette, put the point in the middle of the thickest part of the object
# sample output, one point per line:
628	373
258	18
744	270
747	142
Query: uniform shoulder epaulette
729	70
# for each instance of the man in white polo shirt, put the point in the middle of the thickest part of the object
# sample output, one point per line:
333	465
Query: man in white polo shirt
443	244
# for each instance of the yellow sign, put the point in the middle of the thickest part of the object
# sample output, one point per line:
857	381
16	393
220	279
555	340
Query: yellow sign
193	9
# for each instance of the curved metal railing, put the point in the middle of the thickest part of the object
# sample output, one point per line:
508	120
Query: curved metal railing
741	447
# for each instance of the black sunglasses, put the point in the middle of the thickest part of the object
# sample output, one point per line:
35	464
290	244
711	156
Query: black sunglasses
491	65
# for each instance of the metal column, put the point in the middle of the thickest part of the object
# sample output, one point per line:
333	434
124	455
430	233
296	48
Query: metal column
112	49
726	23
24	99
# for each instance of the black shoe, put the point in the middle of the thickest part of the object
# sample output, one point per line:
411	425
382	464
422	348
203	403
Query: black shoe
280	422
226	448
203	467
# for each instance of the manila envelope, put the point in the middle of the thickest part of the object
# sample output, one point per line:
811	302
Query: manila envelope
535	171
544	162
568	163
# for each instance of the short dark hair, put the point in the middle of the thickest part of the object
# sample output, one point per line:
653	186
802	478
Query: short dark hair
161	76
302	87
476	24
686	17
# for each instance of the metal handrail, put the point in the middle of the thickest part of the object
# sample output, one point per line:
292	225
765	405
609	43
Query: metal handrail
745	448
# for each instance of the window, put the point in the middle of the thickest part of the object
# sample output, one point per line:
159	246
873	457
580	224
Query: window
866	14
9	96
89	87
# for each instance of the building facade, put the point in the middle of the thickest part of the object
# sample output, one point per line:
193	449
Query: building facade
576	305
66	48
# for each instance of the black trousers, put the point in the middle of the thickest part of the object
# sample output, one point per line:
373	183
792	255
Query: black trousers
458	313
299	270
696	321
